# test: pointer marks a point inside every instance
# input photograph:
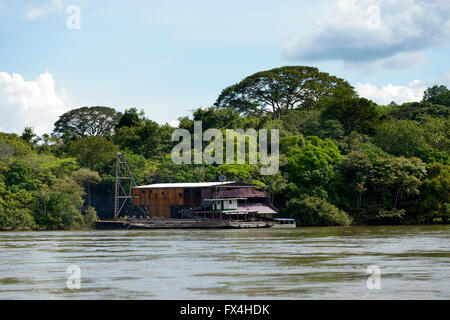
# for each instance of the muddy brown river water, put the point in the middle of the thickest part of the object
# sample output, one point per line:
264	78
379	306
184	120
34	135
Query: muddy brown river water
301	263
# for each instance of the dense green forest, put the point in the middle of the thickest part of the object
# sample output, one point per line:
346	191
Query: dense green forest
343	159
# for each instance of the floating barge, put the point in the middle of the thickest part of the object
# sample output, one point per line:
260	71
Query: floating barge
178	224
201	205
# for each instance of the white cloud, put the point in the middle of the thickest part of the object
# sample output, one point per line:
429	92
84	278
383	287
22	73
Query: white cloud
388	93
397	61
400	94
174	123
353	33
30	103
33	13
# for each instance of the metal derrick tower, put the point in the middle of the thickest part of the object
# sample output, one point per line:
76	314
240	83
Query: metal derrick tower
121	192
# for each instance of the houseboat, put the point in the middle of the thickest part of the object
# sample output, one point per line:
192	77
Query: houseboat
200	205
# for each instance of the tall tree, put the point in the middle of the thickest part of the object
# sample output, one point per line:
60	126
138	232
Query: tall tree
28	134
86	121
437	95
355	168
278	90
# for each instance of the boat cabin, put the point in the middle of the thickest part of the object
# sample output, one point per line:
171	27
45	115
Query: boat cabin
212	200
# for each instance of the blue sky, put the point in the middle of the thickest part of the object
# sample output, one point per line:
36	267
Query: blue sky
170	57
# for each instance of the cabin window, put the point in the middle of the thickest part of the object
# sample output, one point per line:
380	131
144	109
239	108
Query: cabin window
156	195
180	195
231	201
162	193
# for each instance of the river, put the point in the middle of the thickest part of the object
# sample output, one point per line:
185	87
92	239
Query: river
301	263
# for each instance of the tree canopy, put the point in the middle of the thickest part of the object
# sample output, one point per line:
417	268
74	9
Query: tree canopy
278	90
437	95
85	121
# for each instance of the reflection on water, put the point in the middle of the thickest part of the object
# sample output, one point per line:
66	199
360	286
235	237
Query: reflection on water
302	263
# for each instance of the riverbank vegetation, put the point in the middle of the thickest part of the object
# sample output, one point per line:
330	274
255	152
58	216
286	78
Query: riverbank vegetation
343	159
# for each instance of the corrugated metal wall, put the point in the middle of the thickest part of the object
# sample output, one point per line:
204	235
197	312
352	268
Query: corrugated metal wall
159	201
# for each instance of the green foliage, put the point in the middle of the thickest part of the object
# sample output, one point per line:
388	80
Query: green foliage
238	172
437	95
14	211
147	138
400	137
131	118
392	215
281	89
356	168
90	217
435	193
381	189
12	146
57	166
86	178
59	207
212	117
355	114
167	171
92	151
85	121
16	219
429	140
289	142
429	155
28	134
312	123
310	167
372	151
19	176
397	177
418	111
437	133
141	168
313	211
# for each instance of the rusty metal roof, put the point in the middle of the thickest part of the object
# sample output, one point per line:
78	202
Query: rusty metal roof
183	185
261	208
241	193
